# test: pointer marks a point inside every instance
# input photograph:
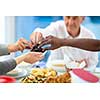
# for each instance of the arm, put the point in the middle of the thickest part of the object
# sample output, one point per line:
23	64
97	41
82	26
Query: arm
40	33
20	45
8	65
86	44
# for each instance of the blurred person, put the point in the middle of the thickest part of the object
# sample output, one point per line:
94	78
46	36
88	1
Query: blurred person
69	28
10	64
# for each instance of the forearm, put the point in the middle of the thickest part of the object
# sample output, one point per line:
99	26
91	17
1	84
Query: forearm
6	66
19	59
12	48
86	44
7	49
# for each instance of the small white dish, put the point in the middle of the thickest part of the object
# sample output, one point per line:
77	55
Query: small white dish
75	65
58	65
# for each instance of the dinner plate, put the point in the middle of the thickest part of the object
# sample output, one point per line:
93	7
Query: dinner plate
17	73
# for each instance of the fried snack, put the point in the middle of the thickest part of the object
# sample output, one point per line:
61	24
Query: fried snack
47	75
39	75
45	72
65	78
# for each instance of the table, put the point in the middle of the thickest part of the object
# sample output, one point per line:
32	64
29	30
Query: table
28	68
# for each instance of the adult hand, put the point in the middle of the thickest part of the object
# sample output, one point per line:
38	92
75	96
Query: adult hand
30	57
36	37
20	45
54	41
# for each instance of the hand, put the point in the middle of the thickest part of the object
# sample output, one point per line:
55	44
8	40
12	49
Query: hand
20	45
31	57
54	41
36	37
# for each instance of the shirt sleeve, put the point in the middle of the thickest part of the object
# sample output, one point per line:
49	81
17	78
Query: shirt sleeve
6	66
49	30
3	50
54	29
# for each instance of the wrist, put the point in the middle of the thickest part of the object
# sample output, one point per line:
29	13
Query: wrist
12	48
19	59
64	42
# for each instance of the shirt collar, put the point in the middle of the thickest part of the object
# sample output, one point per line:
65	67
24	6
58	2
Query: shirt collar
70	37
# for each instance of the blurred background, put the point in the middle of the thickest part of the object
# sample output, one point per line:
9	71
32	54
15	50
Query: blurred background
14	27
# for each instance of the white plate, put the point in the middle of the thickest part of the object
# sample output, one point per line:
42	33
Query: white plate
19	73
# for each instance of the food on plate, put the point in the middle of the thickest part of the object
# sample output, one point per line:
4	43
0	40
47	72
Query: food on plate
59	65
64	78
46	75
39	75
45	72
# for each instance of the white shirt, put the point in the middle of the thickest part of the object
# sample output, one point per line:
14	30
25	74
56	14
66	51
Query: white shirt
58	29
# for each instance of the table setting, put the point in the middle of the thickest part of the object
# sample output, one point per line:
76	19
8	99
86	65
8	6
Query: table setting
77	75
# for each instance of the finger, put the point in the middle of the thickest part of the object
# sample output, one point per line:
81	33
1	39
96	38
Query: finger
21	46
29	46
49	37
44	39
44	42
36	39
40	57
32	42
20	41
39	37
36	53
33	37
23	41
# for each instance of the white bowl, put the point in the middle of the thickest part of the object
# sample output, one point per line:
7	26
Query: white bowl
58	65
75	65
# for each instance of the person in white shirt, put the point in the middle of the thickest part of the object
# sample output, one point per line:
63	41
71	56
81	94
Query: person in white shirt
70	28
